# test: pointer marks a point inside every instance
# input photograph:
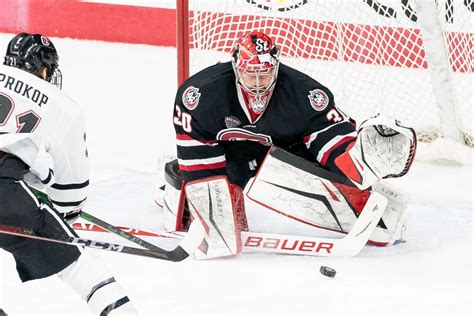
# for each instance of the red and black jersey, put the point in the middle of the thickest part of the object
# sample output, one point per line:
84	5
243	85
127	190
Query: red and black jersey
213	123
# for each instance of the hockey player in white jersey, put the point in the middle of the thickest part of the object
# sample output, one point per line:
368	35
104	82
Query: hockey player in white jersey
43	145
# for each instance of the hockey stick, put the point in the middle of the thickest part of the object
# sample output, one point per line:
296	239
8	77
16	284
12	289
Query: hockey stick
113	229
181	252
348	246
131	230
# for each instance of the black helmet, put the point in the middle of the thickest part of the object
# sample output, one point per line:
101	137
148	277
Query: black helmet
32	52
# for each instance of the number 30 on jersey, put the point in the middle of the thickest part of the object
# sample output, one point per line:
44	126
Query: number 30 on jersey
183	120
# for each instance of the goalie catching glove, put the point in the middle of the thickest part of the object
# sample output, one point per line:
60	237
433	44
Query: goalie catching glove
383	149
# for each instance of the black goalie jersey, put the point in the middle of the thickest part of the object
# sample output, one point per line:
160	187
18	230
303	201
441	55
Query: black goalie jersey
215	128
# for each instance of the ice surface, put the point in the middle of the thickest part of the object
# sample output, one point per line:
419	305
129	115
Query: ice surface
128	94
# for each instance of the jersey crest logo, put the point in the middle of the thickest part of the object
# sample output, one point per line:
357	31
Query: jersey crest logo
231	121
240	134
319	99
191	98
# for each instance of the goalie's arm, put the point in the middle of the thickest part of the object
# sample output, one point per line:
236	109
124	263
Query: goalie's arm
383	149
328	135
199	154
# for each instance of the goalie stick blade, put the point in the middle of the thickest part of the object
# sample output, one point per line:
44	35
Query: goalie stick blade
348	246
181	252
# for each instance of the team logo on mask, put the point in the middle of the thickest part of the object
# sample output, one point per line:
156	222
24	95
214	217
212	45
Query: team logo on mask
231	121
191	98
319	99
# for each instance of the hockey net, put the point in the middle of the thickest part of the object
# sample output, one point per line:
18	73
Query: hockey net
409	59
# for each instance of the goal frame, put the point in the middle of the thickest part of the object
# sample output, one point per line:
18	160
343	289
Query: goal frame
433	43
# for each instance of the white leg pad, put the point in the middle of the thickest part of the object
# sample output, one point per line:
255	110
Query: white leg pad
394	216
211	205
173	208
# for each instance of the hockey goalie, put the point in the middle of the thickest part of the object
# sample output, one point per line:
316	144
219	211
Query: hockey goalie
256	121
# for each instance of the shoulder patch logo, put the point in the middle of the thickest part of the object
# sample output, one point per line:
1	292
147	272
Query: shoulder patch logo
231	121
45	40
190	97
319	99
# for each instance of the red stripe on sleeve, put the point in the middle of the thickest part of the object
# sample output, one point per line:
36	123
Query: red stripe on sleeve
336	145
187	137
197	167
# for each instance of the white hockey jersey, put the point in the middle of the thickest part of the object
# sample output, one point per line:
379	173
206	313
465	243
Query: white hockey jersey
45	128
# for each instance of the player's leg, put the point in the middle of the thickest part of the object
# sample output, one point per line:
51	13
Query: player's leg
171	197
395	215
96	285
176	215
215	205
36	259
19	207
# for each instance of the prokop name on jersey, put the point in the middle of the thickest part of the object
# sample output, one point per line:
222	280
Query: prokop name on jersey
23	89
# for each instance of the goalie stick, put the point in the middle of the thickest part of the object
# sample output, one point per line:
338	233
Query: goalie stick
348	246
186	247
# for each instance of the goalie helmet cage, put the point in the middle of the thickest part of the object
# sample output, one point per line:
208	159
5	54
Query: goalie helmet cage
409	59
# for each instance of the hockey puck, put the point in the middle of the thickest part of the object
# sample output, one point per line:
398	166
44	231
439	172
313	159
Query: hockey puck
327	271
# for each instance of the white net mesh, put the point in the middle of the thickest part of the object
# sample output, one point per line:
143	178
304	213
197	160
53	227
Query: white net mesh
369	53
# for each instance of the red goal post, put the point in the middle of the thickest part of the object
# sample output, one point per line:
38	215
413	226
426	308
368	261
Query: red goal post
409	59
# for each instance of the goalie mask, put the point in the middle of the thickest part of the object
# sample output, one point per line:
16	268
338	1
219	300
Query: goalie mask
255	62
33	53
